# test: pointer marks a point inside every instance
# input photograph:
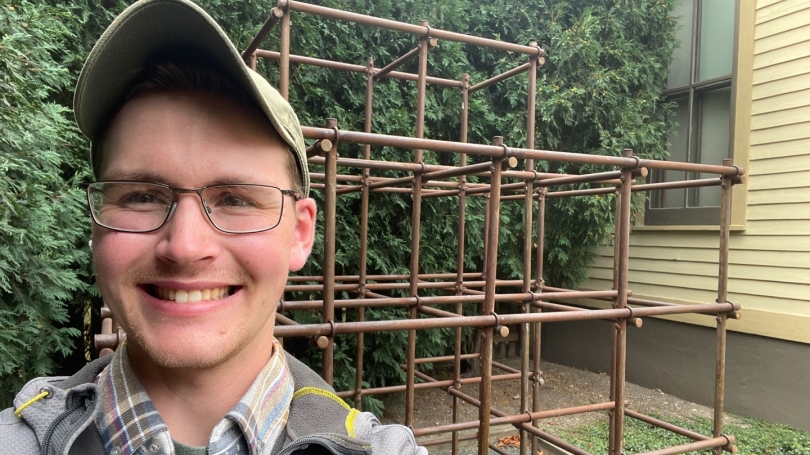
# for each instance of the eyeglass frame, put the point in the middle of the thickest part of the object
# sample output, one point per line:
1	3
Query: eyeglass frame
173	204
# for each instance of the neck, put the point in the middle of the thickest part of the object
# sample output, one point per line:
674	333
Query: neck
192	401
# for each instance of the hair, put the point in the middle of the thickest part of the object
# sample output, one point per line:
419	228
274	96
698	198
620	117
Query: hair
191	76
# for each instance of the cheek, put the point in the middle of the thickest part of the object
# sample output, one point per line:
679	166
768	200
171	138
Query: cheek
114	253
265	257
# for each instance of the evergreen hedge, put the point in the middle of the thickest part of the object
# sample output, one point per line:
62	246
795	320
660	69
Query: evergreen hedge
598	93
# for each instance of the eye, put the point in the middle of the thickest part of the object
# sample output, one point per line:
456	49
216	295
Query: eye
140	197
129	196
232	199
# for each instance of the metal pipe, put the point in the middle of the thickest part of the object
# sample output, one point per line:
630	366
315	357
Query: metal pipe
354	137
419	30
557	307
503	76
693	446
446	358
535	431
426	385
439	441
272	20
407	57
355	68
614	303
422	276
416	217
665	425
490	272
512	419
584	178
541	218
284	55
722	297
528	209
479	297
329	248
462	214
621	302
364	203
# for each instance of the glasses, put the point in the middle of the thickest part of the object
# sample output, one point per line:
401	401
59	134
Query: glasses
144	207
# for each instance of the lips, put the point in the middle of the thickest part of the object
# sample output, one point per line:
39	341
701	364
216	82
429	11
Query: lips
189	295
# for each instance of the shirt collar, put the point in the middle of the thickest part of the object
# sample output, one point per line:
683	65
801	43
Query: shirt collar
127	419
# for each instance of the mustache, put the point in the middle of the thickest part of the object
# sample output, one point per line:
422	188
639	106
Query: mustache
199	273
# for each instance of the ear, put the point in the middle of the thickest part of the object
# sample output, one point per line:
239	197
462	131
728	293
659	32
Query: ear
304	233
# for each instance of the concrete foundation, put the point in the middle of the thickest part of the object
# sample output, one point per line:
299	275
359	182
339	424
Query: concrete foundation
766	378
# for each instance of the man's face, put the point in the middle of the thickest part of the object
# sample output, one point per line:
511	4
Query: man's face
191	141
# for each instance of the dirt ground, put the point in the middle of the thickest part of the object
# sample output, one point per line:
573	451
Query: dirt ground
563	387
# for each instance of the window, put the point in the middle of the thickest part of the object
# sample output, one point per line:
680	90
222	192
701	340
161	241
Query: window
699	84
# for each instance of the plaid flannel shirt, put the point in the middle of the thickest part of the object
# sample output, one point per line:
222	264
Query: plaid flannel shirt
130	424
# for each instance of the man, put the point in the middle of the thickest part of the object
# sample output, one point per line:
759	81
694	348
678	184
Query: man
199	211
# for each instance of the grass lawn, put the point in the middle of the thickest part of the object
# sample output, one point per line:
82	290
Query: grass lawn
753	437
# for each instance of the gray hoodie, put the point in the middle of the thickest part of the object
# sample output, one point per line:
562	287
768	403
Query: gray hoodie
62	422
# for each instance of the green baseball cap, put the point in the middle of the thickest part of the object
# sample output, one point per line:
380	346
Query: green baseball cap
149	27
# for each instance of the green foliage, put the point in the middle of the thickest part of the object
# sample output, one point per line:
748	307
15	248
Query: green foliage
753	437
43	224
597	93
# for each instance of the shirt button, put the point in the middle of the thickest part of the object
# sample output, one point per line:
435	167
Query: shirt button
115	451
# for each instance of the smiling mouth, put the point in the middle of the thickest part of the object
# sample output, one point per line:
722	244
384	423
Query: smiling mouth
189	295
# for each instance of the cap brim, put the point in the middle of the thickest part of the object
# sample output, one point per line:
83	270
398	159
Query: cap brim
151	27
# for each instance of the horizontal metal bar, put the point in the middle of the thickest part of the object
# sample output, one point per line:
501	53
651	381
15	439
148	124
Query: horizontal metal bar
356	68
355	137
488	320
517	418
422	276
692	446
419	30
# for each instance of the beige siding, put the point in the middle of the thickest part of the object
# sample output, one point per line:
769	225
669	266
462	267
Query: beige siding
769	271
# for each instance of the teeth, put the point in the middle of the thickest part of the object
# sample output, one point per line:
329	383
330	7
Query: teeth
194	295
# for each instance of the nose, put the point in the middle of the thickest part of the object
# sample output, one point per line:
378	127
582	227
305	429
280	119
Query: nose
188	236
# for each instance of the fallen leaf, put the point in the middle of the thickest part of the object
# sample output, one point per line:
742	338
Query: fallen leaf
509	441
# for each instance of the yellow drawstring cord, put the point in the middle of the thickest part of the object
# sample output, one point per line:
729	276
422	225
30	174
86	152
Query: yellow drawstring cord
18	411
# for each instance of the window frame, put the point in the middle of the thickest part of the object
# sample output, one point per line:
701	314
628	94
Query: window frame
695	215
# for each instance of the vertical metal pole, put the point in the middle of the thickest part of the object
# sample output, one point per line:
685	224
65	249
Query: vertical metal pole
330	203
722	297
416	215
253	61
613	340
621	325
361	311
284	60
527	244
541	236
462	214
491	267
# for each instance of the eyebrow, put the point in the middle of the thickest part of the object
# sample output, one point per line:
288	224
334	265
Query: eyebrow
154	177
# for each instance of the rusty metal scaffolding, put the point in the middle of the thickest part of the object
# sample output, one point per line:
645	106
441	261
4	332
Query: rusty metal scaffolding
428	181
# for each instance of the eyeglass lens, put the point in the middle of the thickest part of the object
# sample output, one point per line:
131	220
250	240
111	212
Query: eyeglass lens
143	207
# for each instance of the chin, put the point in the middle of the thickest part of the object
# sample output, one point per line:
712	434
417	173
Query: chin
183	353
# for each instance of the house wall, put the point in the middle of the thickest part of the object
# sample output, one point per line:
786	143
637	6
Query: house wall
769	272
